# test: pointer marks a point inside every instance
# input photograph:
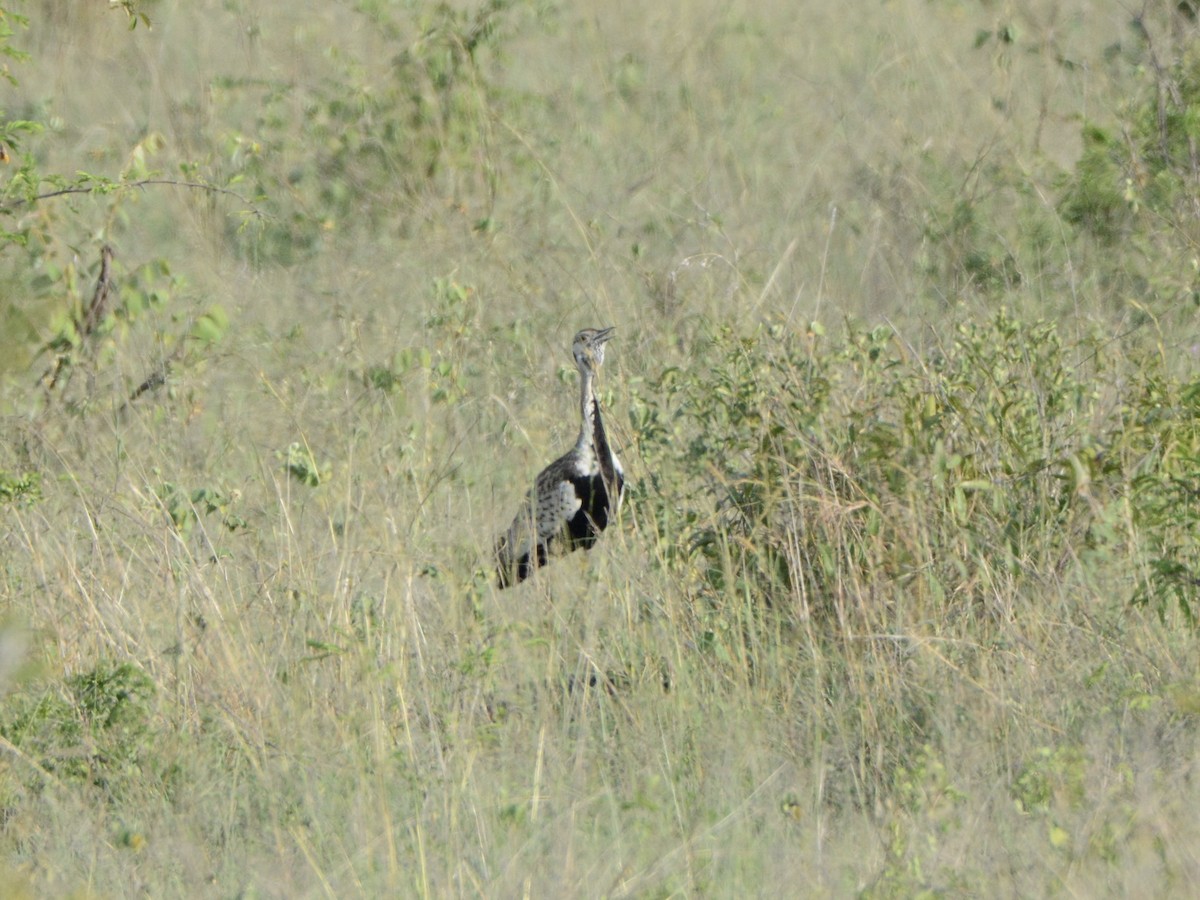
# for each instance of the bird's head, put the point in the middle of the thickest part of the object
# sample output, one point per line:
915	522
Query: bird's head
588	348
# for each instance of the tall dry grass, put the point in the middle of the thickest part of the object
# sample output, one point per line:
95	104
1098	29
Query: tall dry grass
263	654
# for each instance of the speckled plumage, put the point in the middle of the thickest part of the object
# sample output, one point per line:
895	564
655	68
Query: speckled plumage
575	497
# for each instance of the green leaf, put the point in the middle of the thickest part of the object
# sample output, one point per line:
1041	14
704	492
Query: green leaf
211	326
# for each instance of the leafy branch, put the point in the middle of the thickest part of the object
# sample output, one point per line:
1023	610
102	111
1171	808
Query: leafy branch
91	184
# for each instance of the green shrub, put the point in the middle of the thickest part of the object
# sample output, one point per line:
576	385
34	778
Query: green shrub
364	144
89	309
833	478
94	726
1137	181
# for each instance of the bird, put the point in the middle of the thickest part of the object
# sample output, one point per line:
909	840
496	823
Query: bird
579	494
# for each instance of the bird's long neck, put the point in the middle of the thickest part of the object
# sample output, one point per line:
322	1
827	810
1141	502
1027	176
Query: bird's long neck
591	429
589	409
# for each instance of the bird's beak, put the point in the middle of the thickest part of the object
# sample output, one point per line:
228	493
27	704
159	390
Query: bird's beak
604	334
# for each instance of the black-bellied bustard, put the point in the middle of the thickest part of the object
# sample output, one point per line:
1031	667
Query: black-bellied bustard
576	496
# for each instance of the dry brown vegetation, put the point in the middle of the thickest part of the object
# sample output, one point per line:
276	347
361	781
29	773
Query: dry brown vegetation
902	602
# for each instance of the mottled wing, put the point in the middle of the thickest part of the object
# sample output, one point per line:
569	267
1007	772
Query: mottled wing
557	503
544	514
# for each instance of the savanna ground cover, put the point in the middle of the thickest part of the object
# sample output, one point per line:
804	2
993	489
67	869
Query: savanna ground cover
903	600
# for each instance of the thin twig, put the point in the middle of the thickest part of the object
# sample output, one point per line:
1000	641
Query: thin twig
99	306
118	186
85	322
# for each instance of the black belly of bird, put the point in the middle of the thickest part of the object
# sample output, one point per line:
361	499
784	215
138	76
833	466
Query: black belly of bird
592	518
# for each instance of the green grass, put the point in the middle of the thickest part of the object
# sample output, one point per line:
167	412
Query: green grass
903	600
